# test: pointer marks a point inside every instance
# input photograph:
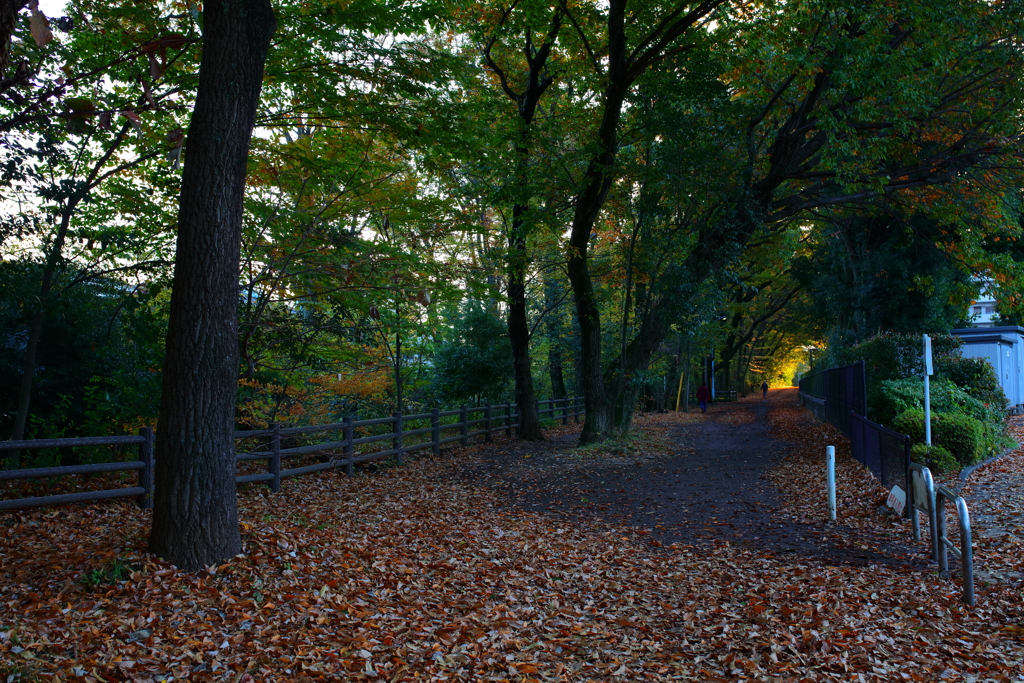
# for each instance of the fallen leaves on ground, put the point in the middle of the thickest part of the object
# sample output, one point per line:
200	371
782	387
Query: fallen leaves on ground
408	575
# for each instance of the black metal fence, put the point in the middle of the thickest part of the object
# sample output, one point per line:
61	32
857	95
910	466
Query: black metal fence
885	452
834	394
358	444
839	396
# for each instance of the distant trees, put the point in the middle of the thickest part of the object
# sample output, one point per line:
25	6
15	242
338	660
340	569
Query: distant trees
475	364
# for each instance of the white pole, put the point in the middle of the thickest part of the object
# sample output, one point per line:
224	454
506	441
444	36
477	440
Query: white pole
927	413
927	391
830	464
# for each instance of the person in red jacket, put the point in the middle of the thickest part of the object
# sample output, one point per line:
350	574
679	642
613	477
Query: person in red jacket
703	396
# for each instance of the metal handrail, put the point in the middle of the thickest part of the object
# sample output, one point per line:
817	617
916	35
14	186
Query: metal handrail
964	552
921	497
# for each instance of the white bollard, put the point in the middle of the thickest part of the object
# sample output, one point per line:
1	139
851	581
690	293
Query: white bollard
830	465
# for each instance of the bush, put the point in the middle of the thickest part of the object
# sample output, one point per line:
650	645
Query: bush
976	376
934	457
901	395
962	435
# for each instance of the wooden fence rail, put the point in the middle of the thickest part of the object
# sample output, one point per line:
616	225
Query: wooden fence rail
336	453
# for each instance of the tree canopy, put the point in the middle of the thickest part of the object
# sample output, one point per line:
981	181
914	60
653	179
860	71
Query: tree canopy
601	194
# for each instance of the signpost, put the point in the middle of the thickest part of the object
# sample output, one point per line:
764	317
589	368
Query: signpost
830	467
927	393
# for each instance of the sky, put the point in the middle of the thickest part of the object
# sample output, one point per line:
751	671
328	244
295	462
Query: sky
52	8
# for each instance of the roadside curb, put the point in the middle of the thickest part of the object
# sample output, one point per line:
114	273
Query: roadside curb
968	471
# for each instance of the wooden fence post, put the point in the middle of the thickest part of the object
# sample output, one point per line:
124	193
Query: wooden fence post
565	411
487	416
274	463
397	442
435	433
463	426
146	473
350	467
576	409
508	419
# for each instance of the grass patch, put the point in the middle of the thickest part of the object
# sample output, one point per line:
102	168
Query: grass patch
116	570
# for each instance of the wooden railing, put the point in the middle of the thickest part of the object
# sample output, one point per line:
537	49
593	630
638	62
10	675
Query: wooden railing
355	446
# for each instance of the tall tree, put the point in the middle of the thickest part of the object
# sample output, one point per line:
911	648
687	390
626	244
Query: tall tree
195	520
525	95
634	42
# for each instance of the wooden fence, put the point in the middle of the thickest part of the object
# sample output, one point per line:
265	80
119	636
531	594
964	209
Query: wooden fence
345	452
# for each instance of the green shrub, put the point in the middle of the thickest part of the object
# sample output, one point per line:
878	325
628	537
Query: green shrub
934	457
900	395
911	423
962	435
976	376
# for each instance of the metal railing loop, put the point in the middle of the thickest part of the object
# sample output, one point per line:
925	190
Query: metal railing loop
964	552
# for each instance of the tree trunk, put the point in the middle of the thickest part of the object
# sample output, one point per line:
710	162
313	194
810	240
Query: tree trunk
556	372
598	423
556	368
589	202
195	516
686	387
519	330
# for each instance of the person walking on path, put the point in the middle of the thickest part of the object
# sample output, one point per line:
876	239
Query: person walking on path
764	388
703	396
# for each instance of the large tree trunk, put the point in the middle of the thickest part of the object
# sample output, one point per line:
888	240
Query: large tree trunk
599	422
195	517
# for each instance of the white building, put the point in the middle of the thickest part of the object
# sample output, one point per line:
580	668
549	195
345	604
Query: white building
983	311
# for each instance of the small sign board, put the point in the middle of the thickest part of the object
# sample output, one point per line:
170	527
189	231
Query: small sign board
919	499
897	500
928	355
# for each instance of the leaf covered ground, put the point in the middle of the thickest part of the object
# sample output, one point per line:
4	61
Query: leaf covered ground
413	574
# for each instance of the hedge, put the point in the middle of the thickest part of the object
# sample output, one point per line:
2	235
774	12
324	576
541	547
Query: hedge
962	435
934	457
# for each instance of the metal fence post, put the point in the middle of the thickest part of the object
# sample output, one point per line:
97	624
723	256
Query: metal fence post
348	449
435	433
274	463
881	460
463	426
146	473
487	416
864	388
397	442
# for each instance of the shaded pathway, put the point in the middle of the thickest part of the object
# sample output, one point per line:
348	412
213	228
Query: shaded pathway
706	488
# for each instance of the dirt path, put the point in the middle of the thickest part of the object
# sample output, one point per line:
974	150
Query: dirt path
697	480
